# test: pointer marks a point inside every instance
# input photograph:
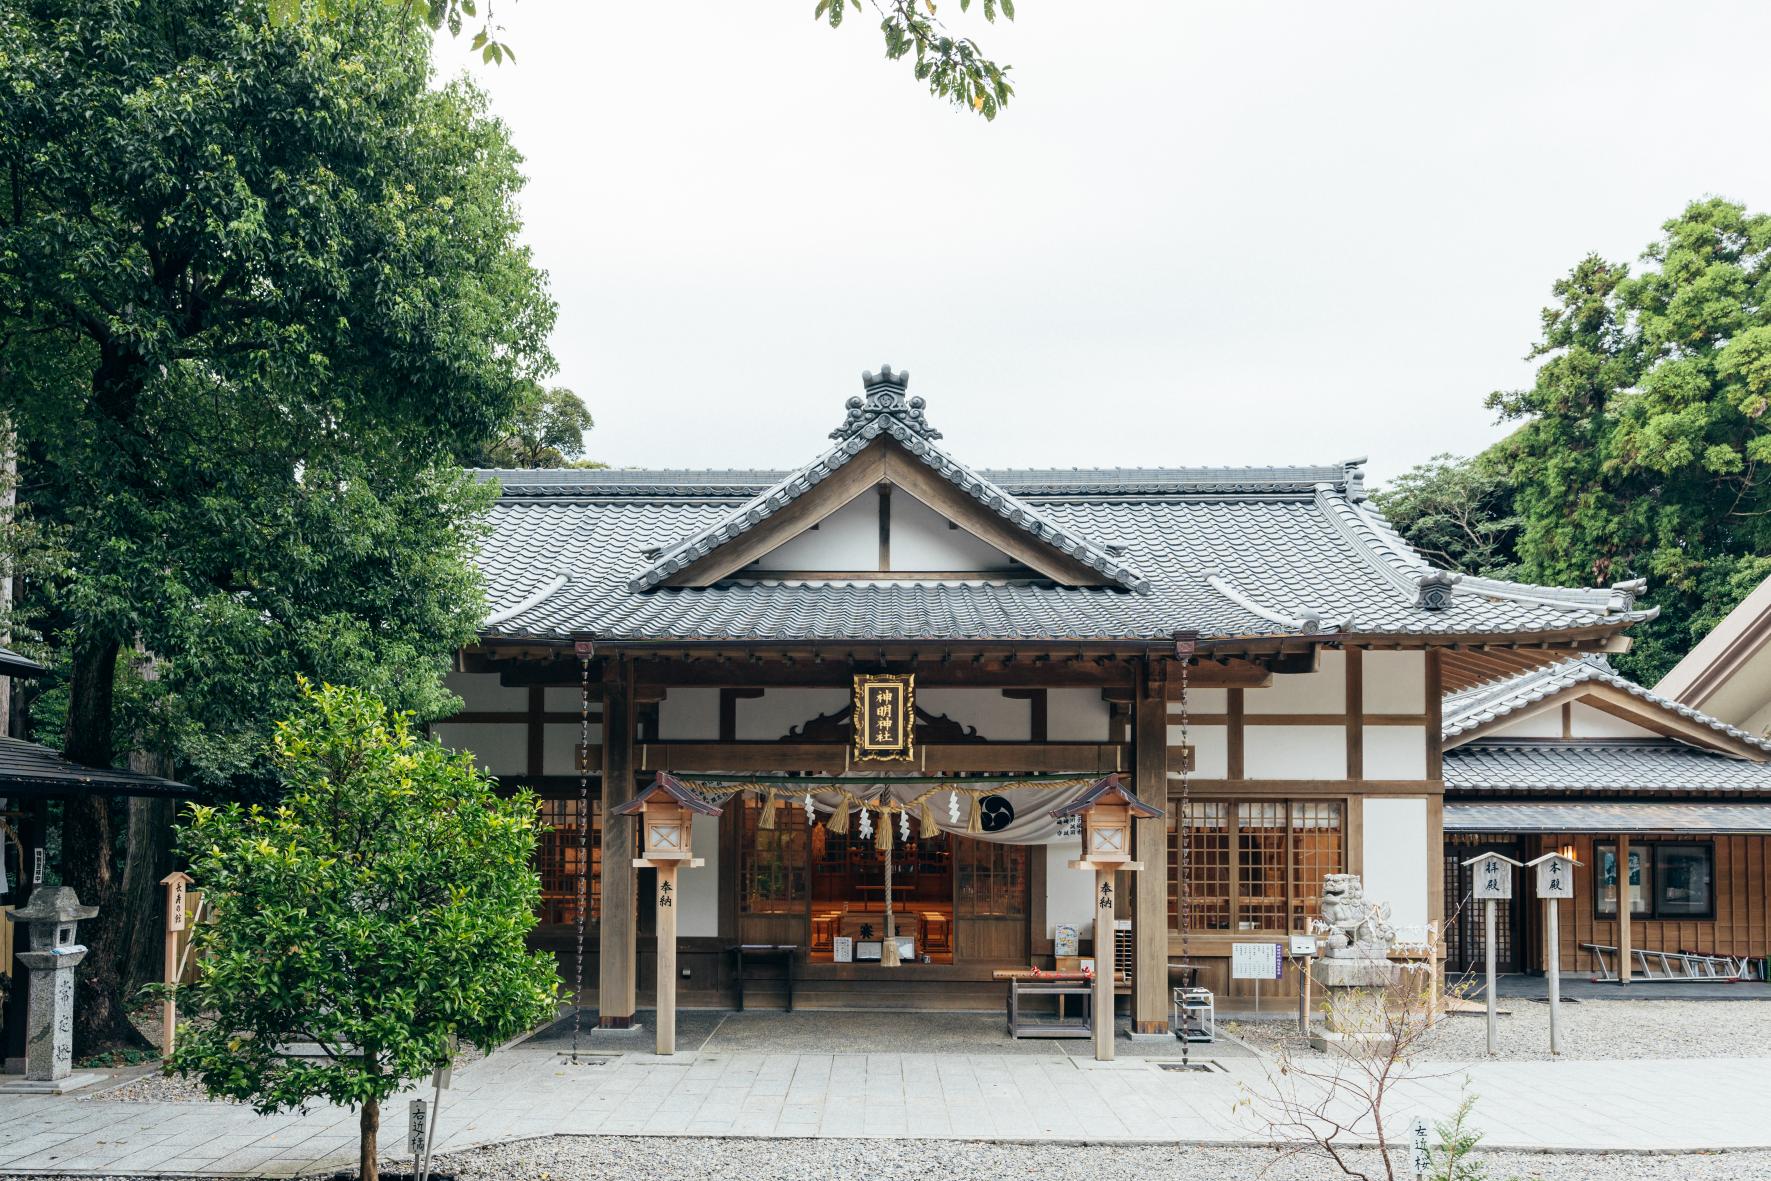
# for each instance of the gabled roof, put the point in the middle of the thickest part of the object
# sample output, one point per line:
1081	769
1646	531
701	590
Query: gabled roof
886	412
672	789
1110	789
1725	671
1234	554
14	665
1476	710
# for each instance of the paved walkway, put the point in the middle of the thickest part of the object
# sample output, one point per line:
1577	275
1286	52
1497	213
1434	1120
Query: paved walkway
1039	1094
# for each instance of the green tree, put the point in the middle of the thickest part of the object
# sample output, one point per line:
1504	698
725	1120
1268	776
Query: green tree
260	286
547	430
1458	512
378	911
1645	448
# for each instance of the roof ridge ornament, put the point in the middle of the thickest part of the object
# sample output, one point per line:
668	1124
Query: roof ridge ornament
885	397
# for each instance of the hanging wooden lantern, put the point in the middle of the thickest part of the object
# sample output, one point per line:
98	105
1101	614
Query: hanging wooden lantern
1106	811
666	810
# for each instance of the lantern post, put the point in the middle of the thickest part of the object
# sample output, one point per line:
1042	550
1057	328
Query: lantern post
1106	811
667	811
1555	881
1492	882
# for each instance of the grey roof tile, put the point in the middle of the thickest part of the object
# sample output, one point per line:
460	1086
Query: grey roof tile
1228	552
1478	706
1611	766
1490	817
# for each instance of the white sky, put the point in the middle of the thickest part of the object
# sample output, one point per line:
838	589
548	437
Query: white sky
1224	233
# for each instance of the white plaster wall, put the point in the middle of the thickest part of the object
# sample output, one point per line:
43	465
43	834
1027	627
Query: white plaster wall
922	540
1294	752
567	699
1394	682
1202	701
499	748
1075	715
848	539
689	715
998	718
1395	752
1211	749
1758	723
697	890
1069	893
559	748
1544	724
1396	857
777	710
1321	692
482	692
1586	722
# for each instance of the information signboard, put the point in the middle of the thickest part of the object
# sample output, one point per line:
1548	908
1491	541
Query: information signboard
1257	961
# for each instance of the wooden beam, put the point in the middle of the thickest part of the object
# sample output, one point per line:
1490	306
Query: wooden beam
1150	889
1355	677
1435	706
619	928
1233	738
834	758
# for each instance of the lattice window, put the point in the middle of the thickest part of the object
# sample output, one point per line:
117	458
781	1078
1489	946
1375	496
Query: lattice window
557	857
991	879
1317	844
771	862
1260	866
1208	829
1256	865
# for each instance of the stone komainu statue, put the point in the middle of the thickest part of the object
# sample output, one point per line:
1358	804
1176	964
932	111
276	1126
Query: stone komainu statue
1353	927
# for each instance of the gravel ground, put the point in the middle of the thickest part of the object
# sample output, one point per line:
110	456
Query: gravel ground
570	1158
1590	1030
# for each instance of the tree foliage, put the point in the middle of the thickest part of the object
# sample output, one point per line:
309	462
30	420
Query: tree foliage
378	911
954	67
1644	445
547	430
1458	512
260	287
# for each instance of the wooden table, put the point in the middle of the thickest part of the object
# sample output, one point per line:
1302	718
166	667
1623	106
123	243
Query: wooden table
787	953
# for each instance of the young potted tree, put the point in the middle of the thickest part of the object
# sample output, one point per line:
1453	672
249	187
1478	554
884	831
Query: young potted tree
376	913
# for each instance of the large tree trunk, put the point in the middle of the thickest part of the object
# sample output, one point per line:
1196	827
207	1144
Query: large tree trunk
89	858
368	1128
149	858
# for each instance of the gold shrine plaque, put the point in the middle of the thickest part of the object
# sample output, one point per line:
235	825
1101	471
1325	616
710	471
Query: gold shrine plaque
885	717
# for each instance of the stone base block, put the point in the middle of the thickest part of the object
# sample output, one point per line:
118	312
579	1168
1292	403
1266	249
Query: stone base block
1152	1039
1353	973
15	1085
610	1031
1329	1042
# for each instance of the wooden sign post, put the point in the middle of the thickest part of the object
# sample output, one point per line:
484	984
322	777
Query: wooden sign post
1555	881
1493	882
667	811
176	921
1107	809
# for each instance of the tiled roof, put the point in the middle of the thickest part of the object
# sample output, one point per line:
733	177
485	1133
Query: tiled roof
1622	766
1477	707
29	769
1232	553
885	413
1606	818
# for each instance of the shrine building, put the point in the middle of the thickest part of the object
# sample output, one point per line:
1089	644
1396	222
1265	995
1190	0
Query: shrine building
1254	650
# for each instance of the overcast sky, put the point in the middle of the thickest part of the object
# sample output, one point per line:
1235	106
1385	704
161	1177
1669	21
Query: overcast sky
1225	233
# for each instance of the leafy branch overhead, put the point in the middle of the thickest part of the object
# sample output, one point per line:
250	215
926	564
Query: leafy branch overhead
954	67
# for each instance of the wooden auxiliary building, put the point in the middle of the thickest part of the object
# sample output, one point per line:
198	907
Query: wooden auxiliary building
1255	641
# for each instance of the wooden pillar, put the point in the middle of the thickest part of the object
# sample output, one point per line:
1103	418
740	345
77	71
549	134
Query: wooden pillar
1103	1000
618	929
1150	887
667	907
1624	953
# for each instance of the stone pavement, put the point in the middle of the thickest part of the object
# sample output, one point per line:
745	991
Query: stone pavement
1037	1094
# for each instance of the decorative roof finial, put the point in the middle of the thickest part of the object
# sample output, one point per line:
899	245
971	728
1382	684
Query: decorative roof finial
885	395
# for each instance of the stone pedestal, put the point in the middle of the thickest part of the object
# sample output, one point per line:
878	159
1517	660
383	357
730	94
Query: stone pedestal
1355	987
50	920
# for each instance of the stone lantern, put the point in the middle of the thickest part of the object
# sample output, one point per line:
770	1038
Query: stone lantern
1106	811
51	920
667	811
